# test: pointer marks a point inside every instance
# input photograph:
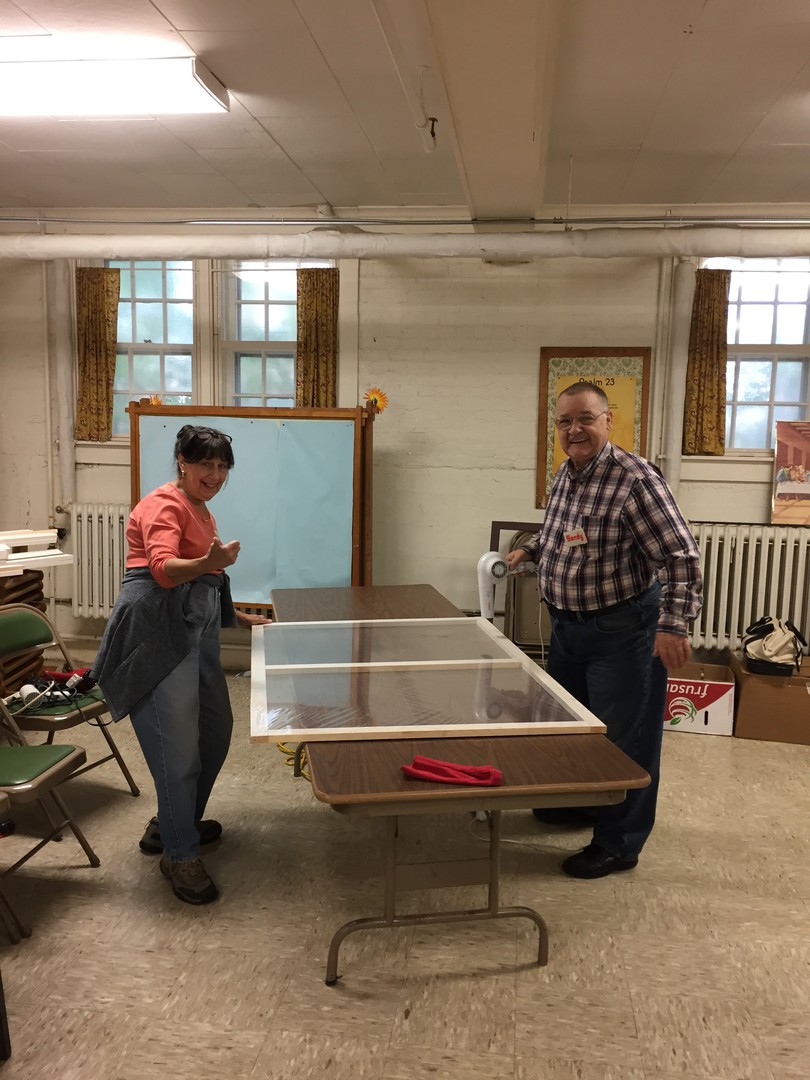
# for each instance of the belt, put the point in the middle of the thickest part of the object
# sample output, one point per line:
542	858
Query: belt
583	616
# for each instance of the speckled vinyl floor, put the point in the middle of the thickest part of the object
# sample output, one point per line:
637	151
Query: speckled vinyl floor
695	966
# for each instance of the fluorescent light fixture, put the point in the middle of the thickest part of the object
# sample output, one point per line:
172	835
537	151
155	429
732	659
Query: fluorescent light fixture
153	87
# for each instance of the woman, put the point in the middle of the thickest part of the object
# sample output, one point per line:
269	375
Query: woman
159	659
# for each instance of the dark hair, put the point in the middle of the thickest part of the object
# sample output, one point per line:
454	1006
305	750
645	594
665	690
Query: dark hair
202	444
583	387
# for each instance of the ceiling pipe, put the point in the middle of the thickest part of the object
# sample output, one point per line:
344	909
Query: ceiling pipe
327	243
667	220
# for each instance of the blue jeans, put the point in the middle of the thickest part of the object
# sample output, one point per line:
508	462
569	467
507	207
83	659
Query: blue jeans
184	728
607	663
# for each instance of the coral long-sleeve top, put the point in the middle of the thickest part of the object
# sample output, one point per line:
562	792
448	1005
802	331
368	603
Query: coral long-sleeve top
165	525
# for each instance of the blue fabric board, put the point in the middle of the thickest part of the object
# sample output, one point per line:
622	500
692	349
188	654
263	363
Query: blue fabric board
288	499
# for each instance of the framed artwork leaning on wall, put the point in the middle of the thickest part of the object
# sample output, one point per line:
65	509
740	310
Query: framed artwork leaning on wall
791	473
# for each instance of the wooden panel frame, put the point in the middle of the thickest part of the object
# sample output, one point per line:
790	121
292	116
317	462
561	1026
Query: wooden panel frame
363	419
624	375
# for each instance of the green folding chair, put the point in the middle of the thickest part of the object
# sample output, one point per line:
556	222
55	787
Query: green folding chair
23	628
31	774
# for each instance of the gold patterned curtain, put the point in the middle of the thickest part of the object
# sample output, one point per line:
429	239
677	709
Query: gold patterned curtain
316	358
704	414
96	335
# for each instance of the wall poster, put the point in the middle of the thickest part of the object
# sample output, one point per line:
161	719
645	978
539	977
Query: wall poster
624	375
791	481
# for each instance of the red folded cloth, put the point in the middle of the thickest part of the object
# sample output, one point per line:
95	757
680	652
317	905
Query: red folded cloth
449	772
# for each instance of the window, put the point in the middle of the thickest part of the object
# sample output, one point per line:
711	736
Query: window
768	348
155	335
259	321
206	332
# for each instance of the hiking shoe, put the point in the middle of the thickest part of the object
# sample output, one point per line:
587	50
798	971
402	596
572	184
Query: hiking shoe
151	844
189	880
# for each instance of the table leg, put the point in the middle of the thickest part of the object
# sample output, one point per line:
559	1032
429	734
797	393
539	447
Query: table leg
493	910
5	1038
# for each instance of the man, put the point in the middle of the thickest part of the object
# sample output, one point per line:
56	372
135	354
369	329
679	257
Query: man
620	573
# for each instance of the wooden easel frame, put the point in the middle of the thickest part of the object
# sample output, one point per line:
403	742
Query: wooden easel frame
363	419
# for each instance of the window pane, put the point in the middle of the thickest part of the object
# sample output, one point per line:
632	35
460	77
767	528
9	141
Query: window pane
793	287
751	427
177	399
733	323
146	374
149	322
250	401
756	324
121	381
754	381
148	283
789	412
281	375
250	286
124	331
177	373
249	375
180	323
790	324
180	284
251	322
731	371
125	289
758	287
789	380
282	285
280	403
120	417
734	287
282	323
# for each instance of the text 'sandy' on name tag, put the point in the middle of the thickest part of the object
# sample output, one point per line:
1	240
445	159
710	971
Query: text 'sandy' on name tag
575	537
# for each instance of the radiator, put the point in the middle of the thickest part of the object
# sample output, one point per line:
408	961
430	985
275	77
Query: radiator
100	551
750	571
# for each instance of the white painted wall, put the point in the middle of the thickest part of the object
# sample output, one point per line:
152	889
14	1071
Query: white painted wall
455	344
24	418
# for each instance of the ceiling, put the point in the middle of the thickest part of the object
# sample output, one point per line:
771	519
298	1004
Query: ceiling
542	109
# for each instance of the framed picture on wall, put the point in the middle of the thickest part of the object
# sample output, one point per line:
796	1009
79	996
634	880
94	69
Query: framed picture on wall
623	374
791	473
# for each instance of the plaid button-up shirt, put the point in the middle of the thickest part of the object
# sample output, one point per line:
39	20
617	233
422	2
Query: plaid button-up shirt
634	533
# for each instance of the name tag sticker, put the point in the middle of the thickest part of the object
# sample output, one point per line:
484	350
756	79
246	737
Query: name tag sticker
574	537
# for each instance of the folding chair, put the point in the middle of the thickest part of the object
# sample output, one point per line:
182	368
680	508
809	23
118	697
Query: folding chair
15	925
23	628
31	774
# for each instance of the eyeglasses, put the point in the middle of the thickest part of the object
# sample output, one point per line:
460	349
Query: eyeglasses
584	420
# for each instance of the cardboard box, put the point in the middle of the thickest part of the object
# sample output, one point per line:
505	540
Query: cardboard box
775	708
700	698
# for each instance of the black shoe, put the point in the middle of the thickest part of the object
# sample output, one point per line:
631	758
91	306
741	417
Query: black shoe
151	843
595	862
562	815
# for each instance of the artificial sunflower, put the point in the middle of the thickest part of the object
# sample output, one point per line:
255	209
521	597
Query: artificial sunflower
376	397
155	399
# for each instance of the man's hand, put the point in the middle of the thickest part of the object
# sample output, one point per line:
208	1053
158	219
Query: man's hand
516	557
673	650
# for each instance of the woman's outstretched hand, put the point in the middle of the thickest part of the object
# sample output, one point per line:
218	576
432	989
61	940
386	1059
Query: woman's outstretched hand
221	555
247	620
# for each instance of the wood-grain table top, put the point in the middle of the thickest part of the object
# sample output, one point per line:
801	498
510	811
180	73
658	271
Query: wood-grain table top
356	602
357	772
